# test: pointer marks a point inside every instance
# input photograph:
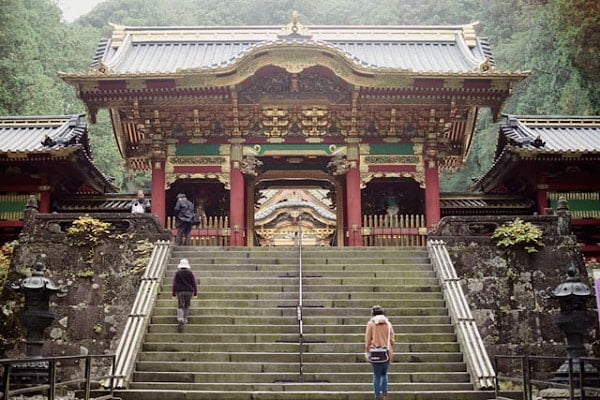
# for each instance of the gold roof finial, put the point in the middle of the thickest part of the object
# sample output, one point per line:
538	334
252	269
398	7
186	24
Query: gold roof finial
294	21
294	28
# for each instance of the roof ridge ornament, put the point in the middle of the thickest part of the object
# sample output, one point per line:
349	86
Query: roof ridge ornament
294	30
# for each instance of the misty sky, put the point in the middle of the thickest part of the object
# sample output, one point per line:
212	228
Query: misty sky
74	8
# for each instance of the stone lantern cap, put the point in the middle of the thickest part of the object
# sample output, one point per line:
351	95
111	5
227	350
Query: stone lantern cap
572	286
36	281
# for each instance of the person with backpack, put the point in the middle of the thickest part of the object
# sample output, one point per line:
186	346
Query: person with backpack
184	219
379	339
184	289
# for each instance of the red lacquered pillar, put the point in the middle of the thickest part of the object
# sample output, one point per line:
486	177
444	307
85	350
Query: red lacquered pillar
157	187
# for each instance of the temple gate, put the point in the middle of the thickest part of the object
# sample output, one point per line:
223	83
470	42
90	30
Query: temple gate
370	114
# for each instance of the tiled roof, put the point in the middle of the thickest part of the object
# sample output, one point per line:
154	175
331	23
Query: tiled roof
531	137
295	204
470	201
26	134
106	203
31	138
446	49
541	134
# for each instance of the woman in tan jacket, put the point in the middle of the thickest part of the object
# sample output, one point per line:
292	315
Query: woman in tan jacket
380	333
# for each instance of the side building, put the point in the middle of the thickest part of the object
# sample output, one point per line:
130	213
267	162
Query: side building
541	158
47	157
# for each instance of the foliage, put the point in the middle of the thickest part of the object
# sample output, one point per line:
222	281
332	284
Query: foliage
86	231
519	234
5	255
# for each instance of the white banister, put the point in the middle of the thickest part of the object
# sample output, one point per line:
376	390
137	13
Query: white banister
138	319
476	357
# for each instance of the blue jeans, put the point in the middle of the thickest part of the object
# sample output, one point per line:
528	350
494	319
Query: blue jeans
380	379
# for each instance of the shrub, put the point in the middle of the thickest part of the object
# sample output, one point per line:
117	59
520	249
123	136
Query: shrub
88	230
519	234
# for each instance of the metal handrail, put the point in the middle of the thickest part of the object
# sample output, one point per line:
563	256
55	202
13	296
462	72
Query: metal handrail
468	335
299	310
574	380
52	384
137	322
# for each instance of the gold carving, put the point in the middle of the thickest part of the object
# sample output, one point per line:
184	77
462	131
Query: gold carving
392	159
314	121
275	121
198	160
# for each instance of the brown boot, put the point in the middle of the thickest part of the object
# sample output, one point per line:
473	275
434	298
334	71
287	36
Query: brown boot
383	396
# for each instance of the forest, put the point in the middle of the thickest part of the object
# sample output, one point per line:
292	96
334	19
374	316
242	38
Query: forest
557	40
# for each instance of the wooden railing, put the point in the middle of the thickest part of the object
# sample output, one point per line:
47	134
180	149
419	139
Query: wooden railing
395	230
214	231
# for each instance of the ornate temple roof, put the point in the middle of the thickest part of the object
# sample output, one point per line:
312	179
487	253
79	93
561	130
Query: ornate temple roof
541	138
426	50
542	134
61	137
20	136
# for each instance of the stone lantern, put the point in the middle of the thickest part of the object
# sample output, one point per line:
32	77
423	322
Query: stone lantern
574	319
35	317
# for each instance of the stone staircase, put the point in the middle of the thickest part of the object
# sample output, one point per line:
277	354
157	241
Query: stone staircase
242	339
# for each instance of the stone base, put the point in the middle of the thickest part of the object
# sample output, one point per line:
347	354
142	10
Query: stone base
563	394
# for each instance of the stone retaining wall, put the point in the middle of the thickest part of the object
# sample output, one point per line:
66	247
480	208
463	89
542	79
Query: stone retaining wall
512	316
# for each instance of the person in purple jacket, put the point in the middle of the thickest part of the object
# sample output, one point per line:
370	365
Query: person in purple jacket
184	288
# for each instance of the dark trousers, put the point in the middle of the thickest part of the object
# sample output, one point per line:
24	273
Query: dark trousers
183	232
183	305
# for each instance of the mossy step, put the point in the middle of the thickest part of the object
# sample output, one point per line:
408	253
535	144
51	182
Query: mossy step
317	348
200	273
310	269
292	328
223	285
225	303
208	293
281	387
291	367
308	394
283	311
186	337
200	260
267	377
259	281
325	359
291	319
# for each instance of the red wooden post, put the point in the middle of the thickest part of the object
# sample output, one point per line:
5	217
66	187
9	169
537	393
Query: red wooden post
44	198
236	205
542	199
432	194
158	191
354	207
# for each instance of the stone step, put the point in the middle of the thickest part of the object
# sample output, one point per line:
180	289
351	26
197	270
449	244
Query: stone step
306	251
292	367
343	281
324	359
222	285
264	377
311	392
310	269
228	338
317	321
172	328
288	311
346	259
291	386
319	348
208	293
323	303
202	273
